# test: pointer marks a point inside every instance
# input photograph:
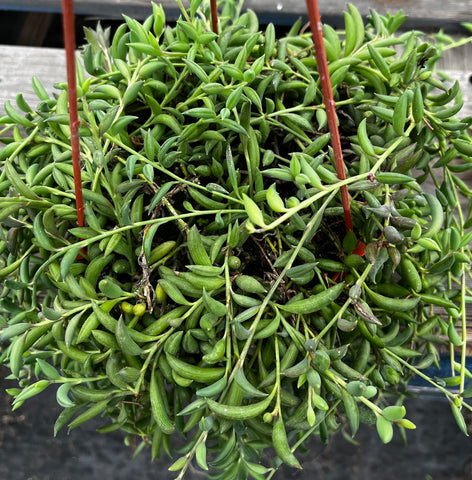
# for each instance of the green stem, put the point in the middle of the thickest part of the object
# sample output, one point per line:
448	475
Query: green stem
391	149
298	108
175	87
421	374
183	10
18	149
277	376
5	129
464	330
229	306
80	380
149	357
458	43
191	454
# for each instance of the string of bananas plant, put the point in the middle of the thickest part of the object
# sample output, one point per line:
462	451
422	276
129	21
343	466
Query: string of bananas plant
214	291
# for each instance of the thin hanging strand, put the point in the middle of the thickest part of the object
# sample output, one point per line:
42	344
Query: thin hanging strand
330	106
69	42
214	16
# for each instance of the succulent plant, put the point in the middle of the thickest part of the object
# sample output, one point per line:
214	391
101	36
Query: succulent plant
214	290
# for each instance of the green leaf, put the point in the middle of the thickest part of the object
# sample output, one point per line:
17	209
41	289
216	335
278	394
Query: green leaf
62	396
233	126
249	390
356	388
67	260
253	211
178	464
459	418
201	112
148	173
384	429
48	369
196	248
109	288
13	330
200	456
65	416
123	337
121	123
30	391
129	166
196	70
90	413
298	120
394	412
15	116
217	308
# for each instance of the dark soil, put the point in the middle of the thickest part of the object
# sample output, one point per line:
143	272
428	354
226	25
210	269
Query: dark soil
437	450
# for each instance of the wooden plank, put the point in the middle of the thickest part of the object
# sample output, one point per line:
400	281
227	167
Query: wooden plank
99	8
422	13
19	64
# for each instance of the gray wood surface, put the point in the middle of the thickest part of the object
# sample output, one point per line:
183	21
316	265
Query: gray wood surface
421	12
19	64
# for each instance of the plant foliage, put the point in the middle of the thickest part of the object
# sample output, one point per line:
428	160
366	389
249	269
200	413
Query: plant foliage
214	290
